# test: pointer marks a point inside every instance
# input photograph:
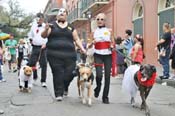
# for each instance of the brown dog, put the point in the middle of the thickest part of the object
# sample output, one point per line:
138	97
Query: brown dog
84	81
25	79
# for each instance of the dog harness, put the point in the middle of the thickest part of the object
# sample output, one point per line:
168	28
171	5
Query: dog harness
148	83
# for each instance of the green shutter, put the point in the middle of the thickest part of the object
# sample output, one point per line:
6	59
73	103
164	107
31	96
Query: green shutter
138	26
165	16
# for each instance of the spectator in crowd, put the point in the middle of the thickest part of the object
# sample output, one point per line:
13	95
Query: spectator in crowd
128	44
163	46
121	53
21	48
1	62
61	52
137	50
172	56
11	45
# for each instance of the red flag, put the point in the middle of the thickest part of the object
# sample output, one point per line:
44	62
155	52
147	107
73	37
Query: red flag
114	63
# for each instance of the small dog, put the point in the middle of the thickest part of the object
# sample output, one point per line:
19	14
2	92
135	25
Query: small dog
85	80
140	78
25	79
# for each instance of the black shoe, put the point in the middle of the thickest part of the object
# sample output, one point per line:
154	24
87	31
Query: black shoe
96	94
15	70
163	77
106	101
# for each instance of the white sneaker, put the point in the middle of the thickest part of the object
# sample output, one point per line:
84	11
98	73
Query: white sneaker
1	111
43	84
3	80
59	98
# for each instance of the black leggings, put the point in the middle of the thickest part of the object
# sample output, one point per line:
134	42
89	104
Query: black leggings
107	61
62	69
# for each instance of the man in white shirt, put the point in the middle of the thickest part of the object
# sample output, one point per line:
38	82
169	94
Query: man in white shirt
38	48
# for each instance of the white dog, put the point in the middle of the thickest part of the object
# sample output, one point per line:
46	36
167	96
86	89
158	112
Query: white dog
25	79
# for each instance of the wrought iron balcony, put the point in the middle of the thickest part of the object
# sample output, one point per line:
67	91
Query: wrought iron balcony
93	5
76	16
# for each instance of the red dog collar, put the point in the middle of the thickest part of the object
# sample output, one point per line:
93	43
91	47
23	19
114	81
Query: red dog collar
147	83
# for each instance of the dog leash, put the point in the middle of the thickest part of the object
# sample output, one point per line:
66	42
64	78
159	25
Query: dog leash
123	55
35	67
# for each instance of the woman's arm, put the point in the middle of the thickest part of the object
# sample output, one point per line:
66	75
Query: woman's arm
78	42
161	41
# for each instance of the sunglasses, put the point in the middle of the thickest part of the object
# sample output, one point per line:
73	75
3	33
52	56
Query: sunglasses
100	19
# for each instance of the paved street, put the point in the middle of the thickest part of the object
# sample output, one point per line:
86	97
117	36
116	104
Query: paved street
41	103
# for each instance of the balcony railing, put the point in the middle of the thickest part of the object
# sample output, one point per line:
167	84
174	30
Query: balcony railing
92	4
76	15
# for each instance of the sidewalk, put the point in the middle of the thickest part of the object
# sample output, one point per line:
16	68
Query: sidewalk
167	82
42	103
12	101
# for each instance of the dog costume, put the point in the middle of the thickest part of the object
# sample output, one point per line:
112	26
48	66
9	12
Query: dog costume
24	78
128	85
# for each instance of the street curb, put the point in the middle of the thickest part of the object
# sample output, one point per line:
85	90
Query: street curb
167	82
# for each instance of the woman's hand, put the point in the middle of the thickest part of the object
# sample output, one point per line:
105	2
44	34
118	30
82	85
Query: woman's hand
83	51
47	26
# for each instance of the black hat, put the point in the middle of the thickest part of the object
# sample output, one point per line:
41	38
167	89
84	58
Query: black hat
39	15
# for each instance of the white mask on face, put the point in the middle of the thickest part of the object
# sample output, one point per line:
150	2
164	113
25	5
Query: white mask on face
61	11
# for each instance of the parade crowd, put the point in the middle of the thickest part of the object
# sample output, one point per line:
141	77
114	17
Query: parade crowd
59	44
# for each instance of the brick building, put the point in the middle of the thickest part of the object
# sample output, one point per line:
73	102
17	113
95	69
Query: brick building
53	4
144	17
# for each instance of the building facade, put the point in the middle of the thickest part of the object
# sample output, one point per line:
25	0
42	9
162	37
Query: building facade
53	4
144	17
